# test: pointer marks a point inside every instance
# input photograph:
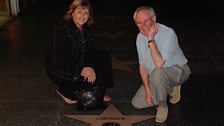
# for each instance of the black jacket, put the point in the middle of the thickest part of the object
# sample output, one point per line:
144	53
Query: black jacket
69	52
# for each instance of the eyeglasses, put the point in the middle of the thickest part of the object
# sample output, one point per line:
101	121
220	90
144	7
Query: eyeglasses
146	21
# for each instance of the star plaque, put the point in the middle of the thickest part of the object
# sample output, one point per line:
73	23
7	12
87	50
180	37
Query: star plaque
111	115
122	65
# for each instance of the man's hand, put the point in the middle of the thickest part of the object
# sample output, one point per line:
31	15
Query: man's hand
89	74
152	32
149	98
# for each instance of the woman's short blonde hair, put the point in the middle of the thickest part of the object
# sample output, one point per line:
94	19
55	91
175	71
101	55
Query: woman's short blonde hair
78	3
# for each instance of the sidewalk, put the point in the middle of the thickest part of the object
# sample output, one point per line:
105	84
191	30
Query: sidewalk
4	20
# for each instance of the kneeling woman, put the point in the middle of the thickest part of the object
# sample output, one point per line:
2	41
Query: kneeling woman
71	54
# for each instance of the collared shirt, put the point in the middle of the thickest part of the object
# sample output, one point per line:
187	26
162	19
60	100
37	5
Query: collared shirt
167	43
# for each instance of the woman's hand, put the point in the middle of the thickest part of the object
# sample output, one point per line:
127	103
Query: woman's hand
89	74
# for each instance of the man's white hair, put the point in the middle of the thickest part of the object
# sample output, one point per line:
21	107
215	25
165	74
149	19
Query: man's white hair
147	8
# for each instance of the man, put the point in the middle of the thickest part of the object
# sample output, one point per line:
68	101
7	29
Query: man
162	64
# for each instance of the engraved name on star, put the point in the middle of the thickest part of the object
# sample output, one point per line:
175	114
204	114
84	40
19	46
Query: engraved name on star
111	115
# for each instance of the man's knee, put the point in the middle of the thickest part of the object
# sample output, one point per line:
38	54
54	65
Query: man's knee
157	76
135	104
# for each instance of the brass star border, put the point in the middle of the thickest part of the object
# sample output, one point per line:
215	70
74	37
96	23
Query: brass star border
122	65
111	115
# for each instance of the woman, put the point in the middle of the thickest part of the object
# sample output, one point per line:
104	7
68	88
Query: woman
71	54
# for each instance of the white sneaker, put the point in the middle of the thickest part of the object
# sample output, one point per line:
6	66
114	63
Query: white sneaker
162	113
175	94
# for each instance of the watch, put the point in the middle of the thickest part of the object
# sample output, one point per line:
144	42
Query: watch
151	41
